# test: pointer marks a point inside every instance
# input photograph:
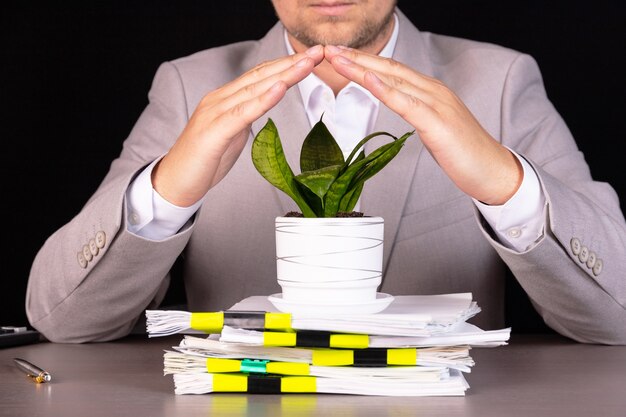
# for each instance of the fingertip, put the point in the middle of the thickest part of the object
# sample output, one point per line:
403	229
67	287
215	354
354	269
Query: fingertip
315	54
314	51
331	50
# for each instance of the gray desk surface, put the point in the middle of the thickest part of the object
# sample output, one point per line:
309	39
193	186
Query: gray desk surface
532	376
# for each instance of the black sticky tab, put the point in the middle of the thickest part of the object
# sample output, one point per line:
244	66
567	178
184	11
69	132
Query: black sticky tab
263	384
311	338
370	357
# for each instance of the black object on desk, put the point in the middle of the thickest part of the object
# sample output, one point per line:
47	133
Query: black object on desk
16	336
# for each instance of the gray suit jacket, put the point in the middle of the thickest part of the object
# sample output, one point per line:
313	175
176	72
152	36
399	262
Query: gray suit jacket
435	241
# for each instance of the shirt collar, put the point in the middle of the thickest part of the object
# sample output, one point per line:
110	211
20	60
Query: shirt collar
312	82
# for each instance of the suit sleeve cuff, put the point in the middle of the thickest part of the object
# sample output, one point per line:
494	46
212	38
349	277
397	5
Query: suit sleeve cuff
151	216
520	222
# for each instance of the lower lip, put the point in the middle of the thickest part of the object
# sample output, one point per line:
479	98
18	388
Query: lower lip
332	10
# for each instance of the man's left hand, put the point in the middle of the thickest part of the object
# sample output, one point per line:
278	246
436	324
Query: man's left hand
479	165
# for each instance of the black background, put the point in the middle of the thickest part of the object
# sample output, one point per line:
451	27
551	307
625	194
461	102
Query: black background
74	80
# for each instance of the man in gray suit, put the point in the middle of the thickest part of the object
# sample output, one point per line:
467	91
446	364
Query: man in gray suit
493	179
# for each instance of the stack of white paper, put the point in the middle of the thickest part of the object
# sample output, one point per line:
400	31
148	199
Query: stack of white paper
418	346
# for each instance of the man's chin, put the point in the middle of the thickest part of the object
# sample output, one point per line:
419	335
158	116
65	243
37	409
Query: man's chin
332	35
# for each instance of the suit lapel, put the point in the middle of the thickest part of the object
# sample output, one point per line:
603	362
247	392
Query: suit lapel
385	194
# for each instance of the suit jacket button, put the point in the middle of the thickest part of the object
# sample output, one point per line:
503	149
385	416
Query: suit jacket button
576	246
584	254
93	247
591	261
101	239
597	268
81	260
87	253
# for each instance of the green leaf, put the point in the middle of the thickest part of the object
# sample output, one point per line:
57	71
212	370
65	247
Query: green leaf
319	149
320	180
312	200
269	159
349	200
373	167
363	142
358	172
340	187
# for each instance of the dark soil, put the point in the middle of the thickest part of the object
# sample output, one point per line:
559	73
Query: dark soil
339	214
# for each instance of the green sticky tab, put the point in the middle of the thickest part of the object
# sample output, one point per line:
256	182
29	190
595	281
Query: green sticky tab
253	366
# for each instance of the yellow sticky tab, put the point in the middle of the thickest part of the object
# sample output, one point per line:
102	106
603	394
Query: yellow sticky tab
352	341
219	365
207	322
329	357
298	384
278	321
279	339
401	357
287	368
230	383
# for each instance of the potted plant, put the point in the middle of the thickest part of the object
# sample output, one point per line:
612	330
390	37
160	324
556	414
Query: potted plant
327	255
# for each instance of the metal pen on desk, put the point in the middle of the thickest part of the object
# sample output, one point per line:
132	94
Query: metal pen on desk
36	373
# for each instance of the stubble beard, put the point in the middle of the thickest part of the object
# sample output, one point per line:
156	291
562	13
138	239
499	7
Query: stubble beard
367	34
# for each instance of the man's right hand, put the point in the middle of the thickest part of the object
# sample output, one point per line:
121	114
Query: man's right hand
219	127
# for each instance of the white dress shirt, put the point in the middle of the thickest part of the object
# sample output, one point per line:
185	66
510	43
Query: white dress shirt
349	116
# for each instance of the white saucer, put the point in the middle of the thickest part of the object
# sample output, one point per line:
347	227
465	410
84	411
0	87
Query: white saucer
381	302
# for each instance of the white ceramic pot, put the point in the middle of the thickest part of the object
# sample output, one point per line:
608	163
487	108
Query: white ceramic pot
329	259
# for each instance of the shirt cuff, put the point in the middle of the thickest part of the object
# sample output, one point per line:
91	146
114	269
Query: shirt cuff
519	222
151	216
